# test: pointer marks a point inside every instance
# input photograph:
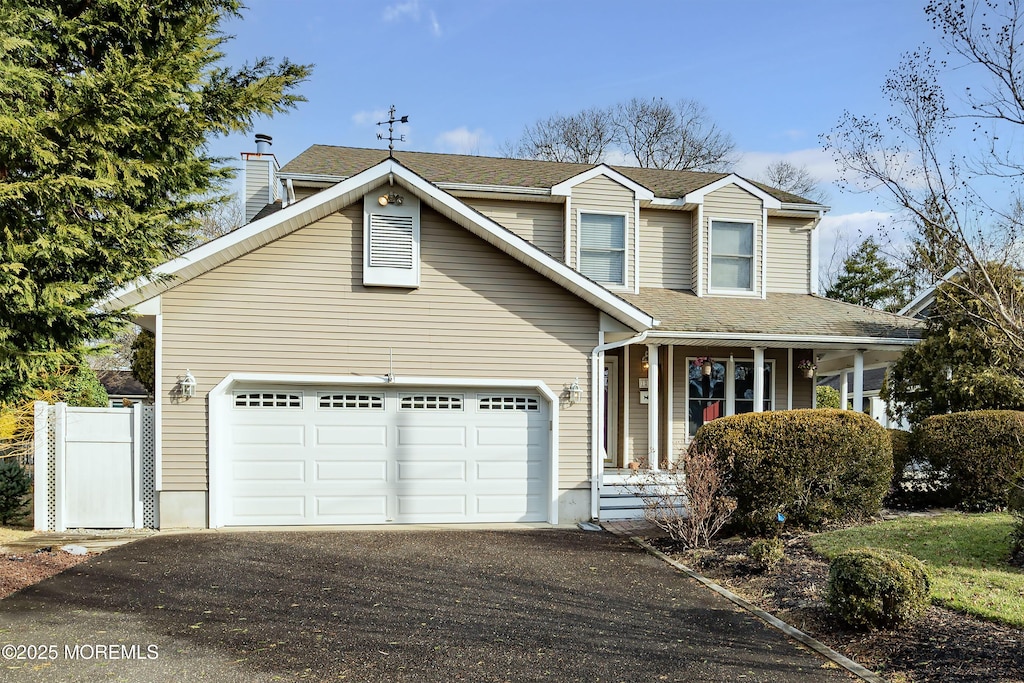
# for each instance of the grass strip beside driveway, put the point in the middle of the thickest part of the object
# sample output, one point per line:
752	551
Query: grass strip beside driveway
966	555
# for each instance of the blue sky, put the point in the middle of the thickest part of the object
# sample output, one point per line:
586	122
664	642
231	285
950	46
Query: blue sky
773	73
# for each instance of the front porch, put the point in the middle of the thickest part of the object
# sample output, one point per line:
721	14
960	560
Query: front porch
658	394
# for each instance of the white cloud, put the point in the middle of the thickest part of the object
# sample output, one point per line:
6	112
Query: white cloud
412	11
462	141
840	234
364	118
402	10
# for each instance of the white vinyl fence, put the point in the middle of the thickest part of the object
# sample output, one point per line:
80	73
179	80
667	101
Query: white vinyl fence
94	468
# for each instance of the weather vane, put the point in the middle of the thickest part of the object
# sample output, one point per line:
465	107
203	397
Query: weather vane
391	130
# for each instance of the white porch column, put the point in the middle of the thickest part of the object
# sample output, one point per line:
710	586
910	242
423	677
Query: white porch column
758	379
652	406
858	380
844	389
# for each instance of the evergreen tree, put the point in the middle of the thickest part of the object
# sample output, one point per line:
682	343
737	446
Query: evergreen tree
868	279
963	362
106	107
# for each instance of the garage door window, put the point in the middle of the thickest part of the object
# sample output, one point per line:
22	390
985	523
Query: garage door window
509	403
431	402
354	401
267	400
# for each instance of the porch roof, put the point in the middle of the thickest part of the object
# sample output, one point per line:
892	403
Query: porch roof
792	320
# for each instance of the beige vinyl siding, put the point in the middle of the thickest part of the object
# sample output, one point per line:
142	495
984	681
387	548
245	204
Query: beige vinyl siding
680	378
665	249
297	306
732	203
304	192
603	195
789	255
536	222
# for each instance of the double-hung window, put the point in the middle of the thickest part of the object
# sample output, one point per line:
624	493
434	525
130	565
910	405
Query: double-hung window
732	255
603	247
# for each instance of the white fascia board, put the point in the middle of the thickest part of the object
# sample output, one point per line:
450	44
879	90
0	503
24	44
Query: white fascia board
794	340
697	196
258	233
564	188
926	296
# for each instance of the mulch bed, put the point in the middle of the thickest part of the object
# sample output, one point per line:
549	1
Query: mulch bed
20	570
944	646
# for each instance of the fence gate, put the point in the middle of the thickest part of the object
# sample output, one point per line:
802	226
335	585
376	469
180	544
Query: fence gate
93	467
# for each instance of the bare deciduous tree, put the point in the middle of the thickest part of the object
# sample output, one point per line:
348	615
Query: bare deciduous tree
797	180
581	138
967	201
649	132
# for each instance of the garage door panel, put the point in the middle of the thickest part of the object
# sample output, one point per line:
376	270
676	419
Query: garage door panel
269	470
349	456
510	505
431	471
420	435
436	505
357	469
352	435
290	509
511	470
282	435
348	508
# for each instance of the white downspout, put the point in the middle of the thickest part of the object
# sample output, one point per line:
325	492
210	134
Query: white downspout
596	399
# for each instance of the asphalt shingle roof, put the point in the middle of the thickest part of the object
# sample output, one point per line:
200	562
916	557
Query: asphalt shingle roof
783	314
528	173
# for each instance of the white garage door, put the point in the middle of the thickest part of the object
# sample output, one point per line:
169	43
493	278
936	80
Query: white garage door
357	456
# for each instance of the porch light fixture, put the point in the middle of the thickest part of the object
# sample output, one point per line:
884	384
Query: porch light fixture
390	198
187	384
575	393
645	362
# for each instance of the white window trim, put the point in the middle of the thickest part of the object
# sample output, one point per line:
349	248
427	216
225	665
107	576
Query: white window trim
221	396
614	286
754	290
730	388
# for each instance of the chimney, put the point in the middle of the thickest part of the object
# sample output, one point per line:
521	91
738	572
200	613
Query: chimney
261	183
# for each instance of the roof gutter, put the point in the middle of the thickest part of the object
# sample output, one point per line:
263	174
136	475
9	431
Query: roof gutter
814	340
597	416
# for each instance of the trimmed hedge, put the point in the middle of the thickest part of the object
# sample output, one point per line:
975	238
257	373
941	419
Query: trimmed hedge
981	452
870	588
811	466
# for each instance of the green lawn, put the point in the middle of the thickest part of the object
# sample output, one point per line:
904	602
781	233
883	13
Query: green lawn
966	556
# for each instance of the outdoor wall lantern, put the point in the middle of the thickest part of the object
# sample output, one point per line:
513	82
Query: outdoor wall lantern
575	392
187	384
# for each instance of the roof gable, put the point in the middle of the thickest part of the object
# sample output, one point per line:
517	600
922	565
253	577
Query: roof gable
564	188
260	232
698	196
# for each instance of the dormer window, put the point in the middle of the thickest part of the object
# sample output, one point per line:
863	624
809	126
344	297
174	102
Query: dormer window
732	256
391	239
602	240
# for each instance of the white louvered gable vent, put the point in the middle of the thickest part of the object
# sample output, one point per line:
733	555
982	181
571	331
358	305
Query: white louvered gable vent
391	239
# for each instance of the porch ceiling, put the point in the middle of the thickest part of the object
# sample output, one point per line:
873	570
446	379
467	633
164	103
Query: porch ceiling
780	320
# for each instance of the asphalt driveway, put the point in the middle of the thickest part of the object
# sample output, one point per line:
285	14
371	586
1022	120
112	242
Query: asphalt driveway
394	605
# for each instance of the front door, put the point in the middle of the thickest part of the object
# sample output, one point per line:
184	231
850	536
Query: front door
610	441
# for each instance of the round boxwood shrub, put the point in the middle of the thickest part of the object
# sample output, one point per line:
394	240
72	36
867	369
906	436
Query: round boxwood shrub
870	588
767	552
980	451
806	467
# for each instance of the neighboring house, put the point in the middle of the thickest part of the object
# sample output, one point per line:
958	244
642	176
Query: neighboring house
872	403
122	388
443	338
